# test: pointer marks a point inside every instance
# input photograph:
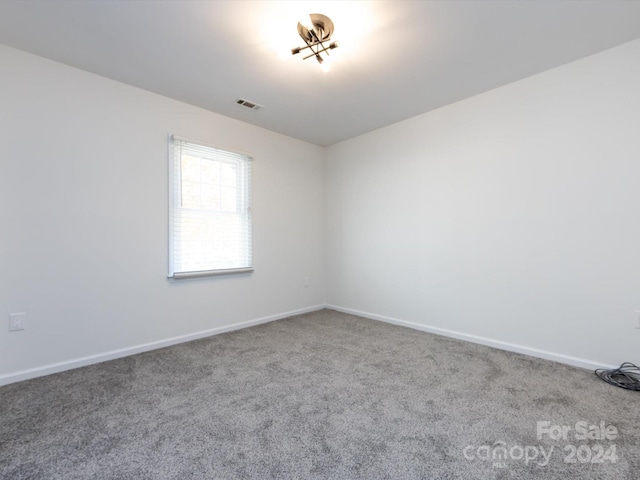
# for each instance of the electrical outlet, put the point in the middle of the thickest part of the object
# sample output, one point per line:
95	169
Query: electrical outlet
305	280
17	321
637	319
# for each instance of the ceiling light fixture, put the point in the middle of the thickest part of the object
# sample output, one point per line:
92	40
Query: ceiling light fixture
315	36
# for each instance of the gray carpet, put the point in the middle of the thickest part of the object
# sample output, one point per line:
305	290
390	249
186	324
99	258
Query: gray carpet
324	395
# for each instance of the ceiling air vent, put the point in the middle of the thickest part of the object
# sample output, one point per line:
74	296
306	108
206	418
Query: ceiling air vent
246	103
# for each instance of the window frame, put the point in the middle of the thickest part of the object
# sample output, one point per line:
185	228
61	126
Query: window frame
174	190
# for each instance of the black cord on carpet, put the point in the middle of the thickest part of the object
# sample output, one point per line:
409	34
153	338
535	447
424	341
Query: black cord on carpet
627	376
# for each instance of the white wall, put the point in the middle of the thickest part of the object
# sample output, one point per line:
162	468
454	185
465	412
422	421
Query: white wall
83	203
510	218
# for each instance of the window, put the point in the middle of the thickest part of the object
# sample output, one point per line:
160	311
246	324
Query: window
210	213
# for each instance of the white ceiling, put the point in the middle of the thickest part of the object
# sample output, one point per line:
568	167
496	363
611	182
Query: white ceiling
396	59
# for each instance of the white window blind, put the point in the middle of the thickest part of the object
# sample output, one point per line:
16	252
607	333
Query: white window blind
210	213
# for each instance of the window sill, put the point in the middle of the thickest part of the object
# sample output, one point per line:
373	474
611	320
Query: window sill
209	273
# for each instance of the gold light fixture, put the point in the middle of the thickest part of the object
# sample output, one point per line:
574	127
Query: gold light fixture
315	36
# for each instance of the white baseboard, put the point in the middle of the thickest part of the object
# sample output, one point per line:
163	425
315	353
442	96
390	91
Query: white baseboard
510	347
112	355
125	352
